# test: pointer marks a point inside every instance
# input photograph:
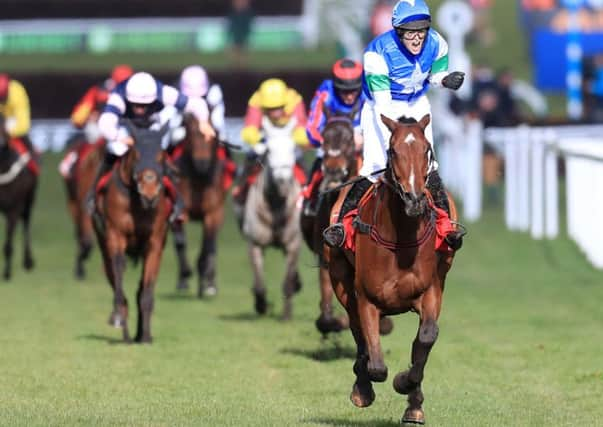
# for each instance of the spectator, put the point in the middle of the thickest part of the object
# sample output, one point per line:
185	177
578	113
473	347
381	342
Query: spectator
240	22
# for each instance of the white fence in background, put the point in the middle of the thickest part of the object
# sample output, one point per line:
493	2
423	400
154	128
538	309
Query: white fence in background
532	182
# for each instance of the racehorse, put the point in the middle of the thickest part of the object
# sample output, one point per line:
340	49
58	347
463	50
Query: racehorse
339	164
202	165
395	267
78	184
18	185
131	218
270	215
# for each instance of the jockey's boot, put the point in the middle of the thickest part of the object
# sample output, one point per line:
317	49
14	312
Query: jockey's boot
239	193
105	167
440	198
334	235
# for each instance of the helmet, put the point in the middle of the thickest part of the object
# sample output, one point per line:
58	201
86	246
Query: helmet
141	88
411	15
347	75
4	80
121	73
194	81
273	93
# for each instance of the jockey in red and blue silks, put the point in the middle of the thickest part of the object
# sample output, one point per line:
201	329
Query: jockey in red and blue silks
340	95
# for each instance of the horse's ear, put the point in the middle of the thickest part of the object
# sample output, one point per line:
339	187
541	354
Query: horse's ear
425	121
391	124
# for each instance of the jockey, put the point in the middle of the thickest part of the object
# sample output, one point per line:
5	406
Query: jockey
339	95
139	99
86	111
14	105
280	105
399	67
194	82
84	115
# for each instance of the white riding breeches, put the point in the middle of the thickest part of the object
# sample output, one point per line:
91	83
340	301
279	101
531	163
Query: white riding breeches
376	134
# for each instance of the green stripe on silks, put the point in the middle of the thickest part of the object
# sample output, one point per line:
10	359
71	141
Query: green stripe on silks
377	82
440	65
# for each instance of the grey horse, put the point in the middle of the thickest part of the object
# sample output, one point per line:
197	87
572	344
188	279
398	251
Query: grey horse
270	214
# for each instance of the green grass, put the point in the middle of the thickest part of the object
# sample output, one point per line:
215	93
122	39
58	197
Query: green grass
520	342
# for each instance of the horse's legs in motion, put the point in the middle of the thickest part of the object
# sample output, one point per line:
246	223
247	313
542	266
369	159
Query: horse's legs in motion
292	283
326	322
84	239
184	270
409	381
369	322
259	291
145	291
28	261
11	223
115	265
206	264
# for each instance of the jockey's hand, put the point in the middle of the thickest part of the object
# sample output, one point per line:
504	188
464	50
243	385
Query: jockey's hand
207	130
453	80
127	140
259	149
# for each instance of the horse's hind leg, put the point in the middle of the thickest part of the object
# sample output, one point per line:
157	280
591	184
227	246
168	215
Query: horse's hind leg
145	296
206	264
327	322
184	270
409	381
369	322
259	290
11	223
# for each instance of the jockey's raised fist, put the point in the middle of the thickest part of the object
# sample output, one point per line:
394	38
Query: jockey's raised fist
454	80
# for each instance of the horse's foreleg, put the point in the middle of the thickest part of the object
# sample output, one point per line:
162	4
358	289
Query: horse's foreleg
115	264
184	270
409	381
145	295
206	264
362	394
327	322
11	223
28	261
256	256
369	316
292	281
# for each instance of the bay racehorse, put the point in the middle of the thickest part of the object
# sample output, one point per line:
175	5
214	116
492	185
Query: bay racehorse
18	183
270	215
206	173
395	267
78	183
339	164
131	219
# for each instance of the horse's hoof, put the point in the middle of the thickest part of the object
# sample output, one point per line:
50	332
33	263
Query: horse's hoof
80	274
413	417
143	340
402	383
328	323
362	396
210	291
116	320
261	306
386	325
182	285
28	264
377	374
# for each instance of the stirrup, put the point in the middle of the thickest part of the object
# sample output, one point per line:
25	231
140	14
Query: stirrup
334	235
454	239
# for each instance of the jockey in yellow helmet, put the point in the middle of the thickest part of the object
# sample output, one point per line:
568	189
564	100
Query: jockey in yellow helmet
280	104
14	105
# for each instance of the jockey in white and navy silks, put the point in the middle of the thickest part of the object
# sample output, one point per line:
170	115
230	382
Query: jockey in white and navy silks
140	99
399	68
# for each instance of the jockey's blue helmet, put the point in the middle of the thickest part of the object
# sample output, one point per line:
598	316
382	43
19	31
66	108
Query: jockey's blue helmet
411	15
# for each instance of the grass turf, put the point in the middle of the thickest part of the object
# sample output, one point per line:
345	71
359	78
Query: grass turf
520	341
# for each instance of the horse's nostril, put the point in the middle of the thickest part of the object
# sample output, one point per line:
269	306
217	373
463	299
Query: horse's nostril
149	177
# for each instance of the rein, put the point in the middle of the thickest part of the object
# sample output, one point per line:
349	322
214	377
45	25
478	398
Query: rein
16	168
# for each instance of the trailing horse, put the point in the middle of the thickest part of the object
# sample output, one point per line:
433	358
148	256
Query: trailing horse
395	267
339	164
78	183
131	218
206	172
270	215
18	183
